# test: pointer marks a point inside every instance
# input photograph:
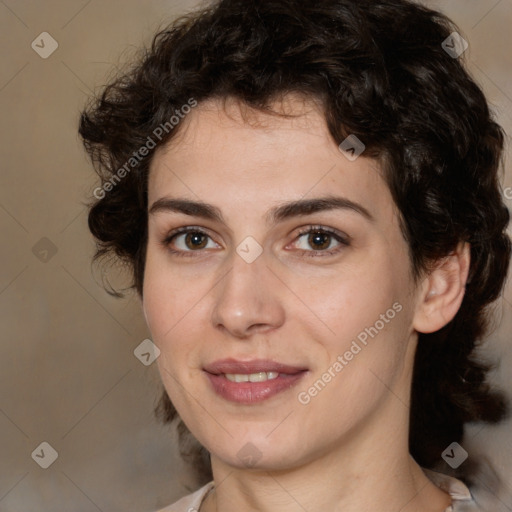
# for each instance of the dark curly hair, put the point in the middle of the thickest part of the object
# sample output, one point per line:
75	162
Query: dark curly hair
380	71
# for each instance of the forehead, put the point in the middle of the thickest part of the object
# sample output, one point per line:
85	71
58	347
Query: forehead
225	151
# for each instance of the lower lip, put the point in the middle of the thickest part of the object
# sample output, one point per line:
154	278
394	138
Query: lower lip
252	392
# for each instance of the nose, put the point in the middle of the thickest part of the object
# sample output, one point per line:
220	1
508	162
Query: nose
247	299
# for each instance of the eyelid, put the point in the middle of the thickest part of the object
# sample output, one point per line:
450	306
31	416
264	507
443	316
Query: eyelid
312	228
183	230
186	229
342	238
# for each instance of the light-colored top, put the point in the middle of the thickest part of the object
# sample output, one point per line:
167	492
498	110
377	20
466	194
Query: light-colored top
462	500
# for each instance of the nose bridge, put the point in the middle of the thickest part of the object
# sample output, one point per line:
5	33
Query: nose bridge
246	300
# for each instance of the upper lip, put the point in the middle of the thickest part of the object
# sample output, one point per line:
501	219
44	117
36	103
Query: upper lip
223	366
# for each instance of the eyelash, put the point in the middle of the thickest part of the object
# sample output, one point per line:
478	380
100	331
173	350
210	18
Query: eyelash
341	239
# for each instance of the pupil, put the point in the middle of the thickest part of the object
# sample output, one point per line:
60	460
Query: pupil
195	240
320	240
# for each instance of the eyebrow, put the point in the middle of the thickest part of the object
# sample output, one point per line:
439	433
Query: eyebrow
276	214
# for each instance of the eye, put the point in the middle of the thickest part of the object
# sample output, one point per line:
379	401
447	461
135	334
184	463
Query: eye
320	241
188	239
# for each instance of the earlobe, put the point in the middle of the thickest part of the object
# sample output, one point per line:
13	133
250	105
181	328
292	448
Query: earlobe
442	291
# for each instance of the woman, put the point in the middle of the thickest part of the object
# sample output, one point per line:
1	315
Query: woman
307	195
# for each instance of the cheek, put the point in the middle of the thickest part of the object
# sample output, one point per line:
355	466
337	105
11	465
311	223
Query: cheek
363	323
169	296
348	301
360	366
175	305
168	304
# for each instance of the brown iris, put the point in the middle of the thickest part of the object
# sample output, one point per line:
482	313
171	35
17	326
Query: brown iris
319	240
196	240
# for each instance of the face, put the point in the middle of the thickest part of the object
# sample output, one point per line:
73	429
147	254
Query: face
277	287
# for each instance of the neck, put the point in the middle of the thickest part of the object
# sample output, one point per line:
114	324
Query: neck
339	480
370	469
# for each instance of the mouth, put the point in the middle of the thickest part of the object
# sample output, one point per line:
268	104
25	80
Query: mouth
250	382
252	377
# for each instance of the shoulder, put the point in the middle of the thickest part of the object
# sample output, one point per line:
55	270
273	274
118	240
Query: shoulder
462	499
190	502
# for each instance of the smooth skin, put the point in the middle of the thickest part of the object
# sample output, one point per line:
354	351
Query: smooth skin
301	302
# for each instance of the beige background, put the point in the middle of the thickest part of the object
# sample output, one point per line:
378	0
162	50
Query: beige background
68	375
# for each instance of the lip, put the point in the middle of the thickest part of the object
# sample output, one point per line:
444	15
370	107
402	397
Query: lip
252	366
252	392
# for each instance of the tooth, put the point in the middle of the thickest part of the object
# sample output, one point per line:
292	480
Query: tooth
258	377
253	377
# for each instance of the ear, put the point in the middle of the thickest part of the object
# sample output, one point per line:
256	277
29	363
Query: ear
442	291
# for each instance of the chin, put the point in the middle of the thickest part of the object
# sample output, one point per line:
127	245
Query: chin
259	453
